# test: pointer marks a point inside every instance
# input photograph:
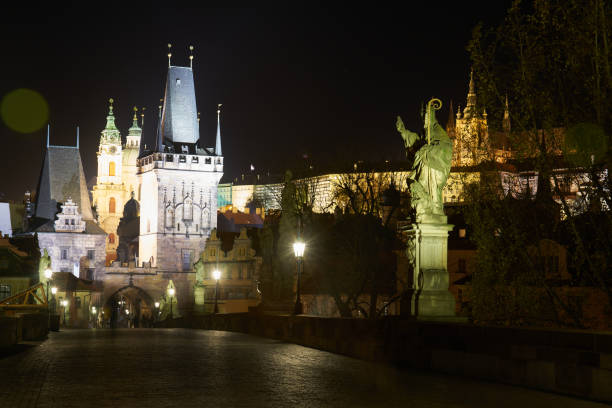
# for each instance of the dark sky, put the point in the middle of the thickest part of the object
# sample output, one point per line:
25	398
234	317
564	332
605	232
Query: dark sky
293	79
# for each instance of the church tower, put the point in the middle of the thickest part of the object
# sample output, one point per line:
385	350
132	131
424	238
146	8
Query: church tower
179	180
108	193
471	142
129	168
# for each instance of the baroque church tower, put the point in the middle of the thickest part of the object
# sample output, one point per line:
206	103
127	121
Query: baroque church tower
108	193
178	181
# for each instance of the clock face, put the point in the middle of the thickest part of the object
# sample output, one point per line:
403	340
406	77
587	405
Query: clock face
113	149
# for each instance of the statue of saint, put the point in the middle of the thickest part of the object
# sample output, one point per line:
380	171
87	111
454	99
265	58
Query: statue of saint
43	264
431	166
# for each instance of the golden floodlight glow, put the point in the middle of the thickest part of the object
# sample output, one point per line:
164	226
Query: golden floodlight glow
171	292
24	110
217	274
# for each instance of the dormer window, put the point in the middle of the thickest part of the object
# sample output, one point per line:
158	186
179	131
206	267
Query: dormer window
207	160
178	81
182	159
194	160
184	148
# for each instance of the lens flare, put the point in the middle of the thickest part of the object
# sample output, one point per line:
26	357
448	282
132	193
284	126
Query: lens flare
24	110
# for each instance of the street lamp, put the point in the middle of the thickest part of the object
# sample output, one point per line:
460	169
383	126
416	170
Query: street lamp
171	292
298	250
64	304
156	311
217	276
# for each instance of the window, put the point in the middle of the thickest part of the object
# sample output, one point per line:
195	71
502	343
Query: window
249	273
111	168
462	268
67	221
111	205
207	160
111	239
182	159
462	233
194	160
5	291
178	226
89	274
72	221
64	253
213	252
178	81
91	254
186	258
240	274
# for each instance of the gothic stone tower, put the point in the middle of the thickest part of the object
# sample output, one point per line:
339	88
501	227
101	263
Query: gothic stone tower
108	194
471	134
178	181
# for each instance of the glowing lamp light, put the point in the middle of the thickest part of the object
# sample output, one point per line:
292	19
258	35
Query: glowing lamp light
54	290
93	310
298	249
48	273
64	303
127	312
217	274
157	305
171	292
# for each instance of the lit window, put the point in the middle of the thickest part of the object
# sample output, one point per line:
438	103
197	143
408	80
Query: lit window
111	238
111	168
91	254
111	205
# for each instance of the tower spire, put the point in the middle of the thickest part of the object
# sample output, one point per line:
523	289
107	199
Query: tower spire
471	97
506	120
111	134
218	142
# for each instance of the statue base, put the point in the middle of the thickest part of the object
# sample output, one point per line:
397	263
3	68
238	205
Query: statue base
427	252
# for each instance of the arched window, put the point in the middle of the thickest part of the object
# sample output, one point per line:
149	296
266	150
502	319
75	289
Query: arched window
111	168
111	238
111	205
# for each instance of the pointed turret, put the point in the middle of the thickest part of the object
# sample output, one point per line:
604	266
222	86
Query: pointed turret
110	134
134	133
218	141
506	120
470	107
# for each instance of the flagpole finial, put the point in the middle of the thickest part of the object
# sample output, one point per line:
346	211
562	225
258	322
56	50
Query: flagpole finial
169	54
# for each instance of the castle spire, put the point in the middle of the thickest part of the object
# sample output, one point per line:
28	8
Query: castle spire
218	142
471	97
506	120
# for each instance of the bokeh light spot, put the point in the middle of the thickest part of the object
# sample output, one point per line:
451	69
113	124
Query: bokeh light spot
24	110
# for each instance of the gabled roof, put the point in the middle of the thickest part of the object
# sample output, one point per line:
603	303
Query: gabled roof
62	177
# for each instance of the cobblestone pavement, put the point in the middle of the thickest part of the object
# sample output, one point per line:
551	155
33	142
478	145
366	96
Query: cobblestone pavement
192	368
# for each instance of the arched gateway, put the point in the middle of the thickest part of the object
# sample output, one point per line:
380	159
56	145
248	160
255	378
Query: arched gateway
129	306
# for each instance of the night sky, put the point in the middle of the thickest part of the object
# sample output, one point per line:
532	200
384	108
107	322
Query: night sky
294	80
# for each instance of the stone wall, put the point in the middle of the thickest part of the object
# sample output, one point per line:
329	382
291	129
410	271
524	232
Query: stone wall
23	326
564	361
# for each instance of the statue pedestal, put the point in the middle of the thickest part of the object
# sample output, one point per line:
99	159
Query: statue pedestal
198	293
427	254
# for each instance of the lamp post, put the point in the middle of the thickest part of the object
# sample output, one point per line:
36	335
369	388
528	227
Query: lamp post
156	311
64	304
217	276
94	312
298	250
171	292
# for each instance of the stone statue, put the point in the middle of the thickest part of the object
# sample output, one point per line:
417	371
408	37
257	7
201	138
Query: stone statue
43	264
431	166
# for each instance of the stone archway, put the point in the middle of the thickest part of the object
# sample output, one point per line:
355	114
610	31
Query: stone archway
129	307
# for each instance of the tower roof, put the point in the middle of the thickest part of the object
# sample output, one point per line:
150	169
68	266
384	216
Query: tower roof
179	120
110	134
470	107
61	178
218	151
